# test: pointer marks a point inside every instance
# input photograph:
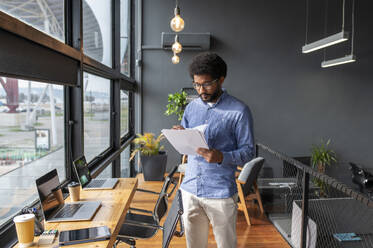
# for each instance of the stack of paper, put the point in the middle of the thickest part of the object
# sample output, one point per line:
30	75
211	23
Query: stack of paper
186	141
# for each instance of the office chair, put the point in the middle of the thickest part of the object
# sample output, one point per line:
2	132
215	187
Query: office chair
167	183
130	232
246	183
147	217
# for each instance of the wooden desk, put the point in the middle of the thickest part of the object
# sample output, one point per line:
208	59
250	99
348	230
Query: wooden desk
114	205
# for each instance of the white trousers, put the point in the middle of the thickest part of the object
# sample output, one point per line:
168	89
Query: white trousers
199	212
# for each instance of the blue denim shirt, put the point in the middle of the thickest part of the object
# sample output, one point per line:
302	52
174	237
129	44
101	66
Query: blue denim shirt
229	130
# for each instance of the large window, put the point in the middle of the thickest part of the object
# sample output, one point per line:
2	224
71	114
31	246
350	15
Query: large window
97	30
125	31
31	140
107	173
96	97
45	15
124	112
124	162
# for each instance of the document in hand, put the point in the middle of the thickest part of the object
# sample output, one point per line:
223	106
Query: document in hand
186	141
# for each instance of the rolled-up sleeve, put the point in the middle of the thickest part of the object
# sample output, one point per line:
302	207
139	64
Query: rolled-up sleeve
244	135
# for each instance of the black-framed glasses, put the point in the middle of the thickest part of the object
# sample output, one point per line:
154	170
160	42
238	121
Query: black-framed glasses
206	85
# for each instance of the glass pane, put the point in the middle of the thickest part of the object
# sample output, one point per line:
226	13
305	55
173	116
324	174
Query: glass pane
96	115
124	112
124	163
32	140
97	35
107	173
125	51
47	16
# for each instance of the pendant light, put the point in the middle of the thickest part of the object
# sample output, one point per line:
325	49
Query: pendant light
327	41
348	58
177	23
177	47
175	59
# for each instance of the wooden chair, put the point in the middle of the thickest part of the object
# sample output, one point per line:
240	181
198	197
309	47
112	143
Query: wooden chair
247	187
181	168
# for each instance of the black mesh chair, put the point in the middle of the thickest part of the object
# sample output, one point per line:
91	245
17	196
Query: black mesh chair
130	232
146	217
166	185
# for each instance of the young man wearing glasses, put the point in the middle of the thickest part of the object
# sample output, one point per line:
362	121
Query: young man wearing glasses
209	187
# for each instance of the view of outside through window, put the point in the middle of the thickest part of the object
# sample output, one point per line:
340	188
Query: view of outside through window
107	173
124	163
96	93
45	15
97	35
124	112
31	140
124	37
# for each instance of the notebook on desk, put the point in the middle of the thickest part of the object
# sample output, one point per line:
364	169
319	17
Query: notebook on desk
53	205
85	179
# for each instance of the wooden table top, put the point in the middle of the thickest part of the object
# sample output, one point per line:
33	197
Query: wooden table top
114	205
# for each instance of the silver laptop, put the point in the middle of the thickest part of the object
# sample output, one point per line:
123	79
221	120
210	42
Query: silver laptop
84	177
53	206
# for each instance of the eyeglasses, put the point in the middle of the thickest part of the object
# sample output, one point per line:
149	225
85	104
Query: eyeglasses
206	85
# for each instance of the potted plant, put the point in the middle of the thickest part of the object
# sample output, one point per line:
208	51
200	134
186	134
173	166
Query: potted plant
321	157
176	104
153	160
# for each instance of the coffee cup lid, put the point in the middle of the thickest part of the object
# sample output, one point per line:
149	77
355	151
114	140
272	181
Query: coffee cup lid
73	184
23	218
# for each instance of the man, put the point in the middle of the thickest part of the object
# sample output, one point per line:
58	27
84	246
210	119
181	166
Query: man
209	187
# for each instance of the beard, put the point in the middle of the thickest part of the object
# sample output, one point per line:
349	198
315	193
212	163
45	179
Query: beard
211	97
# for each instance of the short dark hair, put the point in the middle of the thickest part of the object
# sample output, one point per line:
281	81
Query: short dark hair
208	63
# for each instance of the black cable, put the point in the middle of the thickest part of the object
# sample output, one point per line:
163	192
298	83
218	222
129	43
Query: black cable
353	27
306	9
343	15
326	23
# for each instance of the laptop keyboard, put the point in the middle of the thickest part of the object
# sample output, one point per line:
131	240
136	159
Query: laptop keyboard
96	183
68	211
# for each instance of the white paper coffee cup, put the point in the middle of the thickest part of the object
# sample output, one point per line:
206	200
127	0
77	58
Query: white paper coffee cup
25	229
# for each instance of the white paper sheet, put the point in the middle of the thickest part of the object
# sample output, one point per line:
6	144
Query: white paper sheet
186	141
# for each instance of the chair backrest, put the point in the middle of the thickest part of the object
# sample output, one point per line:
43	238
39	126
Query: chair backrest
250	172
173	217
161	207
168	181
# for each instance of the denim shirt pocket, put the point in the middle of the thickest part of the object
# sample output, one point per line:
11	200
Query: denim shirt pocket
219	131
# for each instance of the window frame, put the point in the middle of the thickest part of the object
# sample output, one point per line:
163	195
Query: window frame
73	93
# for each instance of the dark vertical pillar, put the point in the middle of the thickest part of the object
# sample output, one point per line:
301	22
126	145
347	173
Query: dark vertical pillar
74	95
305	198
115	120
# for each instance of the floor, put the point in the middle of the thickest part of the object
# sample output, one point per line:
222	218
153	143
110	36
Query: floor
261	234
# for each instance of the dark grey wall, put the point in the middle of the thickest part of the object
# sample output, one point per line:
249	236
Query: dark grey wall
294	101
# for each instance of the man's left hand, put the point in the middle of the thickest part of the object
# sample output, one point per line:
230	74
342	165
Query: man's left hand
211	156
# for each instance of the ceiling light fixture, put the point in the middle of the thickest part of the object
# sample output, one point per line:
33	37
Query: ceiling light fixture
177	23
328	41
175	59
177	47
348	58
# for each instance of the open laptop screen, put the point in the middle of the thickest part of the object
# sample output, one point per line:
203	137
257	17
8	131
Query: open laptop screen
50	194
82	171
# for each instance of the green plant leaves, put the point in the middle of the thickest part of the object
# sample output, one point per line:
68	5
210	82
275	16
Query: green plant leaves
177	102
147	145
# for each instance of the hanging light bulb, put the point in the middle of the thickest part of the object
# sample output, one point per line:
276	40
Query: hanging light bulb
177	23
177	47
175	59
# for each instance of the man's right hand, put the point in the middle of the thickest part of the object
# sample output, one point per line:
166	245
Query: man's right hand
178	127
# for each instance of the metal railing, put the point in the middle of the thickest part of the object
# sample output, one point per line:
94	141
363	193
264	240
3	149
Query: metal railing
312	209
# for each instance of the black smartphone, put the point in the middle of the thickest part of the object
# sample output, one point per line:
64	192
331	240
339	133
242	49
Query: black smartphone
84	235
